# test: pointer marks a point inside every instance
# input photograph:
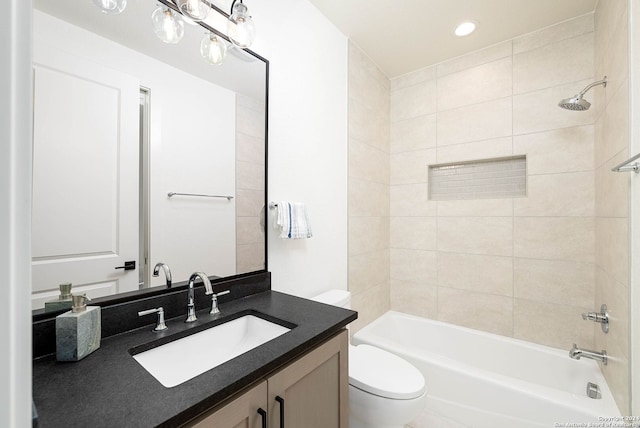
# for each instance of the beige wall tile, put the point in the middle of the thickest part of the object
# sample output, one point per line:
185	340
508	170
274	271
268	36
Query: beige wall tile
608	16
565	30
249	176
476	208
554	64
418	233
249	149
370	304
612	251
411	167
486	274
413	134
250	257
249	230
368	124
368	270
551	324
411	200
559	150
367	198
368	163
481	311
569	194
413	265
616	58
554	238
487	149
482	121
413	101
414	298
483	56
474	85
414	78
538	111
612	189
368	234
249	203
554	281
476	235
616	126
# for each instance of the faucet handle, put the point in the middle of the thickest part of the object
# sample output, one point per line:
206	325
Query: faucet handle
214	301
160	325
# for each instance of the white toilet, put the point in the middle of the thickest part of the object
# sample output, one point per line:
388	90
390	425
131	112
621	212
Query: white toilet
385	391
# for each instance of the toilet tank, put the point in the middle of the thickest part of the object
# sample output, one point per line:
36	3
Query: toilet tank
340	298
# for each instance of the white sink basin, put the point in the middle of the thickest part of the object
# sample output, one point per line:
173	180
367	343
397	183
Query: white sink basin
183	359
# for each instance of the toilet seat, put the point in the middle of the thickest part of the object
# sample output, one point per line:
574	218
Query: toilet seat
384	374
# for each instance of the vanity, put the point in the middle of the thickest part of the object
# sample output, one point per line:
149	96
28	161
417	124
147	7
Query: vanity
301	374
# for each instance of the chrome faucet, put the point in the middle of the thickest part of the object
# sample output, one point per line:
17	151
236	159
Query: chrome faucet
167	272
214	301
191	306
576	353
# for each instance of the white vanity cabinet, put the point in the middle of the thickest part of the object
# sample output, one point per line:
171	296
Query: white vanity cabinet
310	392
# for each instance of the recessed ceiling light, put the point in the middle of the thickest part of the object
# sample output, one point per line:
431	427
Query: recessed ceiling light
465	28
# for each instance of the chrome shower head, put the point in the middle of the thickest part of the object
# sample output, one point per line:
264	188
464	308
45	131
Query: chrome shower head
577	103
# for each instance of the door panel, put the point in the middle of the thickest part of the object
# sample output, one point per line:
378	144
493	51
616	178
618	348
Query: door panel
85	176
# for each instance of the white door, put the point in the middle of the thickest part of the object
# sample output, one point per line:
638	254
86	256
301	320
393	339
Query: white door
85	176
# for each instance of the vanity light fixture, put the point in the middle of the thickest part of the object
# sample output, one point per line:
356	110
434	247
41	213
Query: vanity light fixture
167	25
194	10
213	49
111	7
240	27
465	28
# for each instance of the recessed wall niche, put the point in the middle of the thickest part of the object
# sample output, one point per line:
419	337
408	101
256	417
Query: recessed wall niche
479	179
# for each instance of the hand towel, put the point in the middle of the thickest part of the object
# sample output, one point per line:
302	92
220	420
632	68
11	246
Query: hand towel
292	220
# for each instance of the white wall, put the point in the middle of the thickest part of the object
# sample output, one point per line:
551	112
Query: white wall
15	213
307	140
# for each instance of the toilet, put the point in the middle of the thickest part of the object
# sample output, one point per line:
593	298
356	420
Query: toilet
385	391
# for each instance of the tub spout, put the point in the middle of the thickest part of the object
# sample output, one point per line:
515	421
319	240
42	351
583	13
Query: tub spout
577	353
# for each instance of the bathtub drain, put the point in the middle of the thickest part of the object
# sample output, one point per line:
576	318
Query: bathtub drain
593	390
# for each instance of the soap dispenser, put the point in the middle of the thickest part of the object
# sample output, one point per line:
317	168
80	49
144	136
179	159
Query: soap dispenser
78	331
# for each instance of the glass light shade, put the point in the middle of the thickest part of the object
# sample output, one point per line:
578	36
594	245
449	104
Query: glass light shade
195	10
111	7
240	28
168	26
213	49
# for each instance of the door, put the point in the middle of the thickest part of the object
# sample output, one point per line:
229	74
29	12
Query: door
312	392
246	411
85	176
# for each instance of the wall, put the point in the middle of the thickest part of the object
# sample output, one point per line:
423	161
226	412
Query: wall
369	105
15	213
612	192
520	267
307	141
250	210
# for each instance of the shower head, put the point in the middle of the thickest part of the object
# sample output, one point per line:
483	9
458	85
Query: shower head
577	103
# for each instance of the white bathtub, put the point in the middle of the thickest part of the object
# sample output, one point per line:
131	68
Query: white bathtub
483	380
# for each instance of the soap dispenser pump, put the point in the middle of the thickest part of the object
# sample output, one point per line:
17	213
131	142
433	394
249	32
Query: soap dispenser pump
78	332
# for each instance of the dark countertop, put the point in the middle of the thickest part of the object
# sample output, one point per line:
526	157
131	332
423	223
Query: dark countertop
109	388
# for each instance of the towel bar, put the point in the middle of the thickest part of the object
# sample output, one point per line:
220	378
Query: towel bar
627	166
171	194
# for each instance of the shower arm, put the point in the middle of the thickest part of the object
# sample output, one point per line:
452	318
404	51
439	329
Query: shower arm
599	82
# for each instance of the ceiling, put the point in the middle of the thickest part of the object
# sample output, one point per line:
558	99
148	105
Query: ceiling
406	35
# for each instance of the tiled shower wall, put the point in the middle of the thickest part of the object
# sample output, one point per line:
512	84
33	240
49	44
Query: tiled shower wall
520	267
611	192
368	188
250	115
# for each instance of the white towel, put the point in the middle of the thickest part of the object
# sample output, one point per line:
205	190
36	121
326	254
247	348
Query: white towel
292	220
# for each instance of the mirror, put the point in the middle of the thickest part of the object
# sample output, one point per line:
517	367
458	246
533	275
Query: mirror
123	120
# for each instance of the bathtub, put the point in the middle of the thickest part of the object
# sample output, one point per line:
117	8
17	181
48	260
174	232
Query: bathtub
483	380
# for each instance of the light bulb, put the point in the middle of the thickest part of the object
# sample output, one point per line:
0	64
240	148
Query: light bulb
213	49
241	30
111	7
195	10
168	26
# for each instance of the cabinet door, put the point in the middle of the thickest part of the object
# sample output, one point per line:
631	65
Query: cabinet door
242	412
312	392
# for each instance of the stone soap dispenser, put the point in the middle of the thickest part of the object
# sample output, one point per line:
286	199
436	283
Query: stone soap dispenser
78	331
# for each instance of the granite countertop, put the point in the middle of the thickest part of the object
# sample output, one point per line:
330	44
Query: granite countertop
109	388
